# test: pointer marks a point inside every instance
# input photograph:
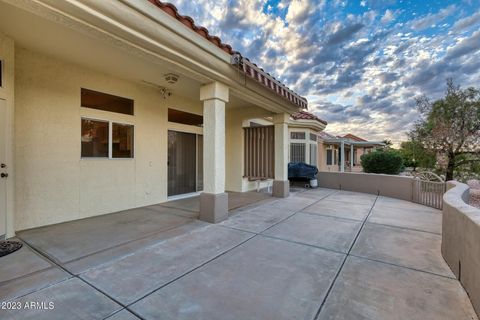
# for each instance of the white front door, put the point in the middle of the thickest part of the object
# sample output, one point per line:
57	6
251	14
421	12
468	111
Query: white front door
3	168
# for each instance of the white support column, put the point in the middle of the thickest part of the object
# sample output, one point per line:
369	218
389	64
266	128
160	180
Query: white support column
342	156
214	200
351	157
281	185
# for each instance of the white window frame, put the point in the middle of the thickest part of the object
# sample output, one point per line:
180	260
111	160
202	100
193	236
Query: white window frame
110	138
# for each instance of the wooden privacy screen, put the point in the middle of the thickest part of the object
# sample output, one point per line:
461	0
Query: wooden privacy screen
259	152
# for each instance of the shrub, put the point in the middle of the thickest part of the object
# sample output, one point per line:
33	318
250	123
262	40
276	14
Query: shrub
382	161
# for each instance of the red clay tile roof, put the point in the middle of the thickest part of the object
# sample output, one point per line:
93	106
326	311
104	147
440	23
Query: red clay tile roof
353	137
188	21
304	115
250	69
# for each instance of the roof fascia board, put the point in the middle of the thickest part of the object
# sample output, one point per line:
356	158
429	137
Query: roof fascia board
309	124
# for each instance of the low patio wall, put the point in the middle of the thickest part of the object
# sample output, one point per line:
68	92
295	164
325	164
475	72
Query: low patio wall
461	239
382	184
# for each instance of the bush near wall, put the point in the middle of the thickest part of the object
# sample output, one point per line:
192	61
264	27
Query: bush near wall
382	161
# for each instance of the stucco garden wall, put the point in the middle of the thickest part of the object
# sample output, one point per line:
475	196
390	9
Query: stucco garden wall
52	183
382	184
461	239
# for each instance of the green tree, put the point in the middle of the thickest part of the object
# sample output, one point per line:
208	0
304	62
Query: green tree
415	155
387	143
387	161
450	126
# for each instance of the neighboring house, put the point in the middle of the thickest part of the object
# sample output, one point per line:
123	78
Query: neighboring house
310	144
304	129
110	105
331	149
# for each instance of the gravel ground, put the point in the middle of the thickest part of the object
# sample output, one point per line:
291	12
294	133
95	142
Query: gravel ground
474	192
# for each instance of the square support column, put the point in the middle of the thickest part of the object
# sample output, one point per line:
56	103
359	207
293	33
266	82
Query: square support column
351	157
342	156
214	199
281	185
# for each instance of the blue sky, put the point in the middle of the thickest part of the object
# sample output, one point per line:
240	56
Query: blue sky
360	63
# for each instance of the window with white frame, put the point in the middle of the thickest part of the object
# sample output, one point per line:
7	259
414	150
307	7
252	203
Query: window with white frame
106	139
297	152
313	154
297	135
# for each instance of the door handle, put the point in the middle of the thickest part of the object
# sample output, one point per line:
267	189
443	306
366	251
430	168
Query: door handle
4	175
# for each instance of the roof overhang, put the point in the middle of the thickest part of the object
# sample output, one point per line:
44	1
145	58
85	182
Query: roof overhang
143	31
309	124
365	144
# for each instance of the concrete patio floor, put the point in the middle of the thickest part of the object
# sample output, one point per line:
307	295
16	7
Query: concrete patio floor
319	254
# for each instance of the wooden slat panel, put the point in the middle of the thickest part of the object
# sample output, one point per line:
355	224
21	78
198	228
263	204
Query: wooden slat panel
259	152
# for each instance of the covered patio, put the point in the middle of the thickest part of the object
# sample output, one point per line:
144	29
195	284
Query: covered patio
319	254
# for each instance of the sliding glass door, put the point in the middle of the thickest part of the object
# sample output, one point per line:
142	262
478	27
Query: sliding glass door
185	168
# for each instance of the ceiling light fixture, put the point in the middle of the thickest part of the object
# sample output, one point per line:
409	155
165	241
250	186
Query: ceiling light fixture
171	78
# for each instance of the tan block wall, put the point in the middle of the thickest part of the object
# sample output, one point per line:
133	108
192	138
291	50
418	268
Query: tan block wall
461	238
52	183
399	187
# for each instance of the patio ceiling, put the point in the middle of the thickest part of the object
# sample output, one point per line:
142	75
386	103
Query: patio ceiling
77	41
40	35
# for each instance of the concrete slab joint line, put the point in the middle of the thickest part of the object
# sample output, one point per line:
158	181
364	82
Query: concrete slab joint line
241	267
344	260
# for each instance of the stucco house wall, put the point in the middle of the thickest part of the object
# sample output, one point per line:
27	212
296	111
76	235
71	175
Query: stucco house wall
322	157
53	184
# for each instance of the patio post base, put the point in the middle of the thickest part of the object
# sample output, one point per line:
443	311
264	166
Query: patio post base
281	189
213	207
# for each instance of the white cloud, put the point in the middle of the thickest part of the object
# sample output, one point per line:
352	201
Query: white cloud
359	71
387	17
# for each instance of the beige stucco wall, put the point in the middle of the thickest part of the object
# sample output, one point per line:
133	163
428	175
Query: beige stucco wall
234	156
461	238
322	158
52	183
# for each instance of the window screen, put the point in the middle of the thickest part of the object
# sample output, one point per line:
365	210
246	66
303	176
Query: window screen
313	137
297	152
313	154
329	157
106	102
297	135
122	140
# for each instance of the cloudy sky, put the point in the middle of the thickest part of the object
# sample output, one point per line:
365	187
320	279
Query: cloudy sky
360	63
